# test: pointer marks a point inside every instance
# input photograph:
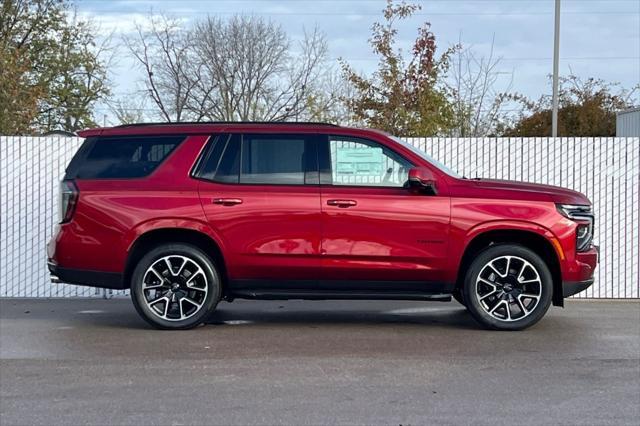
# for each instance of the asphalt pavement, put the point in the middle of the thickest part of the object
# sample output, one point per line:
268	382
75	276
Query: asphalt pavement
335	362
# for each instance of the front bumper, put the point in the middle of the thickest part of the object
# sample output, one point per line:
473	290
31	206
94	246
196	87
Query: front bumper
582	276
569	288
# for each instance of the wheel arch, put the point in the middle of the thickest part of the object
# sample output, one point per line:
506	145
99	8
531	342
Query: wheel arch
535	241
163	235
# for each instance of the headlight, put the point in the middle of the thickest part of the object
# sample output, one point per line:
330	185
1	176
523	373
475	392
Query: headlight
584	217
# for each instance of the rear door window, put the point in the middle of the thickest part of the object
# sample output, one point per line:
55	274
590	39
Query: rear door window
273	159
121	157
267	159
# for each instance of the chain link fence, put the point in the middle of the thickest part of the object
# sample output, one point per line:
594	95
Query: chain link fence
607	170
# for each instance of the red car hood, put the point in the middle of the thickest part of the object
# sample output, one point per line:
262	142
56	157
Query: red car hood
526	190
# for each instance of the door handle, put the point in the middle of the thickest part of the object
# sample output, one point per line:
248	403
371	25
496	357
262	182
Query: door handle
342	203
227	201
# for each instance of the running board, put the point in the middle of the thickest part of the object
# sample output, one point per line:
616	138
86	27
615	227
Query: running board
264	294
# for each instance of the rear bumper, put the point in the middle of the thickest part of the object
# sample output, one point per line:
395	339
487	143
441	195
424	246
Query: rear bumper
569	288
85	277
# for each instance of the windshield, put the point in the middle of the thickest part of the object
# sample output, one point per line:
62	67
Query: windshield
427	157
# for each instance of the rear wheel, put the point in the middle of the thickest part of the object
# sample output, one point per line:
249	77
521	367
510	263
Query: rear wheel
175	286
508	287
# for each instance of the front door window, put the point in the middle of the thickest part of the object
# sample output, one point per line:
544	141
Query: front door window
360	162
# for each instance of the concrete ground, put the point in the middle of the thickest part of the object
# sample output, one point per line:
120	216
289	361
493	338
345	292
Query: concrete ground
95	362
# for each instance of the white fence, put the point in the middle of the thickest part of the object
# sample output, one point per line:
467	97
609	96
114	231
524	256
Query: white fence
607	170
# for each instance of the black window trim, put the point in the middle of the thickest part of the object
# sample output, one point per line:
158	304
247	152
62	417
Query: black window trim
324	162
71	173
204	153
311	174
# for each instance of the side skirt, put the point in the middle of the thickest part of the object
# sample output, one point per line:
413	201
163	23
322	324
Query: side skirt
338	290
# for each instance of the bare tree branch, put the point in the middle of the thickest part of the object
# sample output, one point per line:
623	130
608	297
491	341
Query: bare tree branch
164	54
237	69
480	107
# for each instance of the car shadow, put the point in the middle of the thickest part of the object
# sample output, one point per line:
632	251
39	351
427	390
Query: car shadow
442	316
116	313
249	316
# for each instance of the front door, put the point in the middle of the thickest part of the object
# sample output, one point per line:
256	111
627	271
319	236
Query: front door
373	228
261	196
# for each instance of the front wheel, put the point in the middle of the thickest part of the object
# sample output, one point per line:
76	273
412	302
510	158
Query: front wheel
175	286
508	287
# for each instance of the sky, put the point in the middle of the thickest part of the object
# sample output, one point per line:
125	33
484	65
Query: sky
598	38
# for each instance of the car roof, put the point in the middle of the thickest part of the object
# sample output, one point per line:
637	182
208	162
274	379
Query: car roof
209	127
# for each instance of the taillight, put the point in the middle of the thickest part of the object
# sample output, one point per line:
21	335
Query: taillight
68	200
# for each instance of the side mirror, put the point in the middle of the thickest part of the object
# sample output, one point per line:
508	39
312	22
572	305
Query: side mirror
422	180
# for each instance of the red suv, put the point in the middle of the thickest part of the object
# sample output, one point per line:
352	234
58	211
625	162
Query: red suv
188	214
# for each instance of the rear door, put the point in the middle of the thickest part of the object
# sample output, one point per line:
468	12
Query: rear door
375	229
260	194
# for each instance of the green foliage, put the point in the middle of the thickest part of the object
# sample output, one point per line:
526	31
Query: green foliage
402	98
52	74
586	108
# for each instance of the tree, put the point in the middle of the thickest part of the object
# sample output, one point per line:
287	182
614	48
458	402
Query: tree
586	108
403	98
240	69
19	94
164	53
479	106
256	74
76	79
327	103
23	39
52	73
129	109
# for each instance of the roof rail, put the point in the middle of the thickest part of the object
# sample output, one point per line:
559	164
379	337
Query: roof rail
179	123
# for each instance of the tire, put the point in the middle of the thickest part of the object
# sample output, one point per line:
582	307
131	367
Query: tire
513	299
178	298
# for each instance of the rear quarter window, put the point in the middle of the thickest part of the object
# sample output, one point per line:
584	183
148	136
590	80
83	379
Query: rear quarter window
121	157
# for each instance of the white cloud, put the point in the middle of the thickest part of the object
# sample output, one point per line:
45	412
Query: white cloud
523	30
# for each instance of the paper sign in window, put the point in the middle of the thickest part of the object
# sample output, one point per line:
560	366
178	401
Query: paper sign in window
360	161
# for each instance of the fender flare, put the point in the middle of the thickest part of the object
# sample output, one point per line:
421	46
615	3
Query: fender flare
506	225
509	225
174	223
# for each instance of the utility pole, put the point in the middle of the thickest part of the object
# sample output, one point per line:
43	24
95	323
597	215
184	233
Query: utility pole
556	60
